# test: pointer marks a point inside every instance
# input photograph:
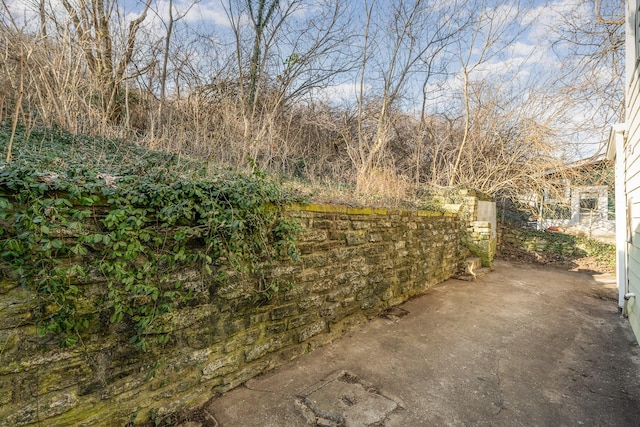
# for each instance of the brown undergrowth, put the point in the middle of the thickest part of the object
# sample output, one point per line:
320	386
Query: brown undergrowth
592	264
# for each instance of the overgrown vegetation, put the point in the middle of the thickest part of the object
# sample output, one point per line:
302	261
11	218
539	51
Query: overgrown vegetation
604	253
556	247
75	210
384	97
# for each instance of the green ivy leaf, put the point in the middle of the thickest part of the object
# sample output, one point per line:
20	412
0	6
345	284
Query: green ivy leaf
78	249
69	341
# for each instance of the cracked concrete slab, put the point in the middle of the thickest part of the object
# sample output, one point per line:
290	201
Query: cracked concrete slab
525	345
344	400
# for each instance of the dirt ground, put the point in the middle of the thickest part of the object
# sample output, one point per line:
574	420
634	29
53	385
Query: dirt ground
524	345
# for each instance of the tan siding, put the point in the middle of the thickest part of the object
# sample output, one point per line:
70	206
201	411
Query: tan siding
633	177
632	160
634	105
632	132
634	255
634	112
632	184
633	276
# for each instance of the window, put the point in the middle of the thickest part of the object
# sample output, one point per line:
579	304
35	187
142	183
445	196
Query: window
588	204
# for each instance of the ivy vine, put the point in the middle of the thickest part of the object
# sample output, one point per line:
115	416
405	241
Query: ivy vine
131	223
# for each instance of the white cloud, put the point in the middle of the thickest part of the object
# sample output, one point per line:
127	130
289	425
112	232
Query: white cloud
208	11
512	68
521	49
187	11
548	17
343	93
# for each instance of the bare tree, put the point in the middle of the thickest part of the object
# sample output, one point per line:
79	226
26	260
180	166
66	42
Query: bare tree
433	102
588	37
92	22
280	60
492	31
514	144
399	39
173	17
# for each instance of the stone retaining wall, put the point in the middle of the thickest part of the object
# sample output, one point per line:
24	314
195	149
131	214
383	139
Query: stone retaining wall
478	239
356	262
539	241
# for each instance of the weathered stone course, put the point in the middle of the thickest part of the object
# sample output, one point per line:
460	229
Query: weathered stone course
356	262
553	243
478	239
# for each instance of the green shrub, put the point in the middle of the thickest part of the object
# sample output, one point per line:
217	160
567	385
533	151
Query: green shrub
72	208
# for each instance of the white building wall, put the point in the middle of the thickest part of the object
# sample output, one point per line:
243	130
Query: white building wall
487	212
632	167
594	225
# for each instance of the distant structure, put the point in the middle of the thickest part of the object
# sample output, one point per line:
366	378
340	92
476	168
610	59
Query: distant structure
581	204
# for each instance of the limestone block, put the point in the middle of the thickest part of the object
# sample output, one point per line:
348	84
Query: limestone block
337	235
308	302
322	285
311	235
309	331
276	328
359	283
369	302
347	301
61	377
6	391
347	278
47	406
284	311
360	225
298	321
260	349
220	365
355	238
342	224
252	335
246	373
323	224
375	237
343	292
16	306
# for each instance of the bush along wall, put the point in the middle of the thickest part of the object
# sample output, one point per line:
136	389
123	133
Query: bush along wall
559	244
92	260
131	295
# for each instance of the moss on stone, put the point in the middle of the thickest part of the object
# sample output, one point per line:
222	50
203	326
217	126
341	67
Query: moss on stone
317	207
431	213
224	338
360	211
